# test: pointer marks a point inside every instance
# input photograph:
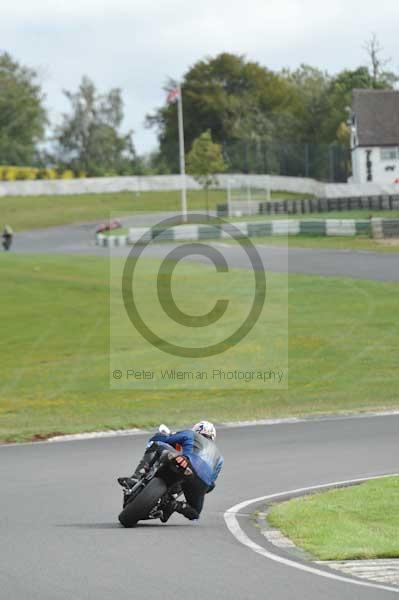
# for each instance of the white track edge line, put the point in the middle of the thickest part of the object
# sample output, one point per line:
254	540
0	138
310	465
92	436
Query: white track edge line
230	517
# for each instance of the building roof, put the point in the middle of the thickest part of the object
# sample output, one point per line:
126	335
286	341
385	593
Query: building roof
377	117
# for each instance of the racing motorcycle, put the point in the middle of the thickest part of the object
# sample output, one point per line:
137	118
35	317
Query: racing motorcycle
158	488
7	241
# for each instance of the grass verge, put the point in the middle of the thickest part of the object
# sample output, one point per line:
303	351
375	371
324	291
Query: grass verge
32	212
357	242
302	241
113	232
54	364
359	522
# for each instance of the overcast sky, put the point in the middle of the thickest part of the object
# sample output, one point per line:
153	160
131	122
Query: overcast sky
137	44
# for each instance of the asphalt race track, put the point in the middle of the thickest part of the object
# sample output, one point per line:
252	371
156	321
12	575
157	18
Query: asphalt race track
60	538
79	239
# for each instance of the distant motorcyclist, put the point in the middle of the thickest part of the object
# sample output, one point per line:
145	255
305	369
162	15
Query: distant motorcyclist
7	237
198	445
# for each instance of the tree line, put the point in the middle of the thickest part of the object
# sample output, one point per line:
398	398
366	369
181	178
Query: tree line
290	121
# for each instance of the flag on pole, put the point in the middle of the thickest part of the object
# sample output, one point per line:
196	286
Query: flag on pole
173	95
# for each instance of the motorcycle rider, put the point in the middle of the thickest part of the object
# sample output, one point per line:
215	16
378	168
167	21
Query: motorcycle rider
7	237
198	445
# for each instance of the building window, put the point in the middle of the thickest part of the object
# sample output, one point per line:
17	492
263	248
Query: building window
369	166
389	153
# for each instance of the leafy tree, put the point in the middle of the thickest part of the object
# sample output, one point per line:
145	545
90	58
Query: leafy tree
22	115
154	163
309	104
89	139
231	97
343	134
204	160
340	100
290	122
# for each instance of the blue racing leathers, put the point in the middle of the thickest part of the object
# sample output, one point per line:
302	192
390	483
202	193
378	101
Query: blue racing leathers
203	453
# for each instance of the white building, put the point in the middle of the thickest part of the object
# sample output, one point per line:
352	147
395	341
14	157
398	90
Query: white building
375	136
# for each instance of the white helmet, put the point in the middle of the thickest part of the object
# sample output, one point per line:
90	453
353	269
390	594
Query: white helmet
206	429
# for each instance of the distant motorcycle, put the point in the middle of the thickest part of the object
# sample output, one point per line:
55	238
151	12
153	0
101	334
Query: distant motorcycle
115	224
7	241
158	488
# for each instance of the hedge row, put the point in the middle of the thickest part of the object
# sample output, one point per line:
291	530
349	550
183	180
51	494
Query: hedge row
30	173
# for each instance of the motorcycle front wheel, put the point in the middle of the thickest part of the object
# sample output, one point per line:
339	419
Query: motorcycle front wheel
140	507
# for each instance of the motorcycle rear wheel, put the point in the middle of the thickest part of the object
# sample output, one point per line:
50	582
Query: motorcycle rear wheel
143	503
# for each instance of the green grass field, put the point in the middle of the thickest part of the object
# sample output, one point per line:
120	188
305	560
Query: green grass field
31	212
120	231
358	242
54	357
359	522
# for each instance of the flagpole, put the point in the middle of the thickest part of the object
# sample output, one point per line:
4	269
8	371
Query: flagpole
182	154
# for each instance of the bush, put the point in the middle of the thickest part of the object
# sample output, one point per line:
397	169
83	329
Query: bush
25	173
47	173
68	174
10	173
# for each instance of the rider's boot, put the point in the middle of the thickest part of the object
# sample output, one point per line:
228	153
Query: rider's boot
187	511
168	511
